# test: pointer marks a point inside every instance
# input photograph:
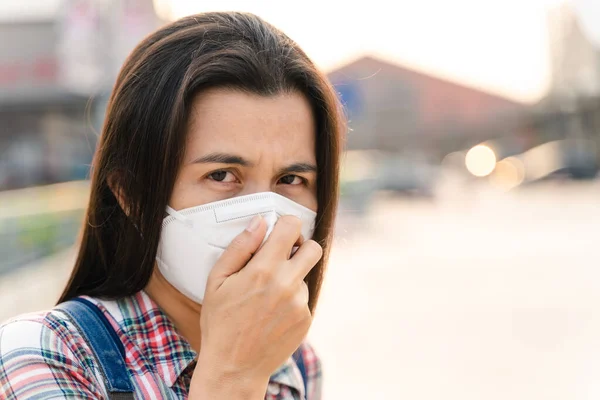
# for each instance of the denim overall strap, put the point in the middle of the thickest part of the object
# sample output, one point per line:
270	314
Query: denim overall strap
299	360
106	345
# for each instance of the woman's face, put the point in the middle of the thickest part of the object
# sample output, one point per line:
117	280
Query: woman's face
240	143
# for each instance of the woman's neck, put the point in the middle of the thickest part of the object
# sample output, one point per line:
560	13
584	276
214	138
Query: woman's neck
183	312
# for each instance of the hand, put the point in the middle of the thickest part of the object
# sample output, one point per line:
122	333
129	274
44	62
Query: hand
255	311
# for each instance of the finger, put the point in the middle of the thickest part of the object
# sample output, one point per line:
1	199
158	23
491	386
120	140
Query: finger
283	237
296	246
239	251
305	293
302	296
305	259
299	241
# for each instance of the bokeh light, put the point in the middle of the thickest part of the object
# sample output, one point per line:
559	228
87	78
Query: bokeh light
480	160
508	174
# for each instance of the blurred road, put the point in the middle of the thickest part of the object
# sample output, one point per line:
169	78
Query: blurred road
478	295
491	296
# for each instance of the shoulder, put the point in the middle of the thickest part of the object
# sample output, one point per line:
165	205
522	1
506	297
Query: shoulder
44	355
311	360
309	353
312	366
301	373
37	331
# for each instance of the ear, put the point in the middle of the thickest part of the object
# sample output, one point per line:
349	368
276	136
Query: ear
116	189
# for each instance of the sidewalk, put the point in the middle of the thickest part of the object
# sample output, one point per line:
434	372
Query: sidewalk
43	280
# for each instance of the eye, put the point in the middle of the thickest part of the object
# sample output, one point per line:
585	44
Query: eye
291	180
222	176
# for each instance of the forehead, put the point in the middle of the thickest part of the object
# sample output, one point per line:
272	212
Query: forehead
226	120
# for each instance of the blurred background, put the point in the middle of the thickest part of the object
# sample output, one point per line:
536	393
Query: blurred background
466	264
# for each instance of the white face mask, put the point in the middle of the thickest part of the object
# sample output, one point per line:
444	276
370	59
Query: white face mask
194	238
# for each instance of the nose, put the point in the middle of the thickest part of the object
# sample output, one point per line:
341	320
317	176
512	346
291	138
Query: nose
256	186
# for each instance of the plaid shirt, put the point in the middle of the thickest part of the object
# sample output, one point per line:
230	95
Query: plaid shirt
43	356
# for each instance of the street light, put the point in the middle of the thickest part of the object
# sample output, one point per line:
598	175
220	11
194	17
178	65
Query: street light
480	160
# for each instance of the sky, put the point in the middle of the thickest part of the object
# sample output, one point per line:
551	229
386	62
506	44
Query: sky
496	45
589	14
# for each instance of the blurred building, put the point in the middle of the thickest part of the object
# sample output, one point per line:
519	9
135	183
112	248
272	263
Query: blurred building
396	109
574	58
569	114
58	61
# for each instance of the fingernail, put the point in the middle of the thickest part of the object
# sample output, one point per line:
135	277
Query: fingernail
254	223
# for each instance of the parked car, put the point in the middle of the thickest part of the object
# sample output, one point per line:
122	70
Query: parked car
411	176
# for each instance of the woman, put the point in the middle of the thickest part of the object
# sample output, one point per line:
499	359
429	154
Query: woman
217	162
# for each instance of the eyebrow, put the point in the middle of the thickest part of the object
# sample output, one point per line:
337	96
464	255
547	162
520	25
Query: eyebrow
225	158
299	168
222	158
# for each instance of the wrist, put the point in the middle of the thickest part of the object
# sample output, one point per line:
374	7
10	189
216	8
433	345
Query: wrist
212	381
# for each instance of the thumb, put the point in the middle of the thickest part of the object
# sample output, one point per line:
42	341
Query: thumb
239	252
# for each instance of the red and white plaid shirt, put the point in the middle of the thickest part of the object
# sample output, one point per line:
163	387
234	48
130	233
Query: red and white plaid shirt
43	356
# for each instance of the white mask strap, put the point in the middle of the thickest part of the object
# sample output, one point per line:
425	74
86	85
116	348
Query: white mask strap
178	216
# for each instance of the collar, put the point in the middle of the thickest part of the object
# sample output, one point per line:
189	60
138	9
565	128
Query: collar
287	375
147	331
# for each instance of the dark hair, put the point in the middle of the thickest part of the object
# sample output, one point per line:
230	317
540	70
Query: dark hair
143	139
